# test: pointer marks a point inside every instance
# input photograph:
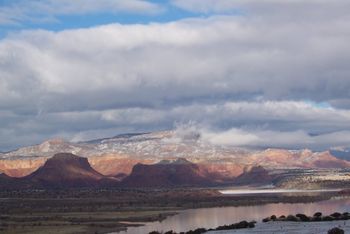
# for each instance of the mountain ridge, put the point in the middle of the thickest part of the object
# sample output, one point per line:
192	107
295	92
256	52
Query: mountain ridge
68	171
112	156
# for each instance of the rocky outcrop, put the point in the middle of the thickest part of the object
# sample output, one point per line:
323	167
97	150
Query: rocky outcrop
256	175
176	173
21	167
112	164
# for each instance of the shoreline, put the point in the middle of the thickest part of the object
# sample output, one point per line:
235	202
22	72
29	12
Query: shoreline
290	228
274	191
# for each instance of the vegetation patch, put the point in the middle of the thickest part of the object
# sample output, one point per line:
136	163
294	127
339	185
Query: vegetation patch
240	225
317	217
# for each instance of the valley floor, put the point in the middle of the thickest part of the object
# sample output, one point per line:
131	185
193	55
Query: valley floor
103	211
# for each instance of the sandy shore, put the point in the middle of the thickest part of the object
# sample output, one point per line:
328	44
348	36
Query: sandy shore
273	191
291	228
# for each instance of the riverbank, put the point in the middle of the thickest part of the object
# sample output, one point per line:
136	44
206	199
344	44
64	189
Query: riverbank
290	228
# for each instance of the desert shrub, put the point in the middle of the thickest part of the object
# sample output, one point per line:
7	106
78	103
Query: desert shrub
251	224
336	215
292	218
316	219
273	217
265	220
344	217
197	231
240	225
328	218
303	217
170	232
318	214
336	231
243	224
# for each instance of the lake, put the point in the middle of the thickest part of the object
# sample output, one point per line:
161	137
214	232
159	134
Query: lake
214	217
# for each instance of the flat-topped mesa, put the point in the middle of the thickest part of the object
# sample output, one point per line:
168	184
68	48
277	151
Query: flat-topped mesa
65	170
68	158
167	173
66	165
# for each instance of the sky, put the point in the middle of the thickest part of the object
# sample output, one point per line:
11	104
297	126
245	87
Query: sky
246	73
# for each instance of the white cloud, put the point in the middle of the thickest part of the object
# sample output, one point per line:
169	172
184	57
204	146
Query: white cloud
253	124
277	139
207	6
221	56
232	137
251	73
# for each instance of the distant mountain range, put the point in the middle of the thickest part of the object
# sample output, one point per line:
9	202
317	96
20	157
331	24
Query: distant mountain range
117	156
68	171
65	170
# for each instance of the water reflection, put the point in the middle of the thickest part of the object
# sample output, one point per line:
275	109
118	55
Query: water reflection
213	217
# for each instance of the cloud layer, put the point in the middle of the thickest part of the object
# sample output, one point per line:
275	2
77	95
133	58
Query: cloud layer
259	76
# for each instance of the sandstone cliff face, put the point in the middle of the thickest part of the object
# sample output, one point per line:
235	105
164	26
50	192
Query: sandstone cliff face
113	164
280	158
225	168
176	173
21	167
254	175
63	170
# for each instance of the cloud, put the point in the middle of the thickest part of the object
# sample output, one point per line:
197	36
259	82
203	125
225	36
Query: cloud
39	11
244	124
277	139
207	6
228	57
256	73
260	138
271	8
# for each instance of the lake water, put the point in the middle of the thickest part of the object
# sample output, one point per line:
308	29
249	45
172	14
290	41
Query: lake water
213	217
